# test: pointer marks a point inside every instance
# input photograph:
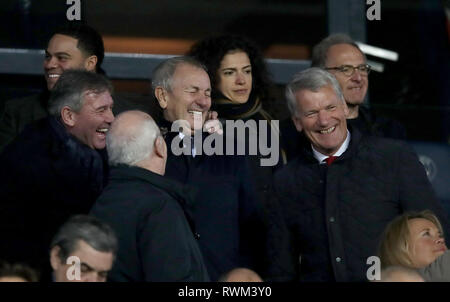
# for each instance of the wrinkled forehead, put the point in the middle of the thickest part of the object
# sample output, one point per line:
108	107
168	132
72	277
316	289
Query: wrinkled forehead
187	75
344	54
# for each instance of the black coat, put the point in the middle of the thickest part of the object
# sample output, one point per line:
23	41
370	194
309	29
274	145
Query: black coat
227	214
47	176
337	214
156	242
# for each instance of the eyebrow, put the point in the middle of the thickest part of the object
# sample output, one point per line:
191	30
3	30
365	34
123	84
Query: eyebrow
58	53
91	268
234	68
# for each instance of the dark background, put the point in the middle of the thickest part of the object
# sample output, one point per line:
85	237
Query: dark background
414	90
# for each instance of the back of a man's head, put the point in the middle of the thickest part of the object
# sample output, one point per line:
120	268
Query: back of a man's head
241	275
71	87
131	138
90	42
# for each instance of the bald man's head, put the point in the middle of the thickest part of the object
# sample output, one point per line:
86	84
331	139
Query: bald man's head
131	138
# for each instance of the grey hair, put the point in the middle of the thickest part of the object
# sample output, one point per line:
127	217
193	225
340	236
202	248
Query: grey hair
131	144
310	79
320	51
163	73
89	229
71	87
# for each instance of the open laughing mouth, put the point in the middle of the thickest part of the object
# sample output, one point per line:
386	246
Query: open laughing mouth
102	132
329	130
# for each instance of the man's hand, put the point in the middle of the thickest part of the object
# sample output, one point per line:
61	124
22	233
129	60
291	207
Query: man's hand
212	124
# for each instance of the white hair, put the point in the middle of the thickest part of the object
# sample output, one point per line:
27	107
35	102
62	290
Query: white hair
131	144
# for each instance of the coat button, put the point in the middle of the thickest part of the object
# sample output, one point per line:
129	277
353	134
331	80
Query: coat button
338	259
331	219
196	235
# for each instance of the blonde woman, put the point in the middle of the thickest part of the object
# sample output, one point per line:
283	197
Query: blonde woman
416	240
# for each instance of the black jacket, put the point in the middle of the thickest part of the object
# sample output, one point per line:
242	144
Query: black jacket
47	175
227	215
156	242
336	214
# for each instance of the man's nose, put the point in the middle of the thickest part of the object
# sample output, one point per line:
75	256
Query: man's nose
356	76
50	63
109	116
323	118
204	101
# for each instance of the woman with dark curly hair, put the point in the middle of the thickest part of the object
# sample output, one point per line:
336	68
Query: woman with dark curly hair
240	84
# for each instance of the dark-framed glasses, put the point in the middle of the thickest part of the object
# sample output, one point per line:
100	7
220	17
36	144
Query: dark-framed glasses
349	70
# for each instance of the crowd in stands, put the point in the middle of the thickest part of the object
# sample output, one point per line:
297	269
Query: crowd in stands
94	188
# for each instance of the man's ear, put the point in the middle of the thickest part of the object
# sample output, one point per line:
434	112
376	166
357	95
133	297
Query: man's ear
68	116
297	123
91	63
55	261
160	147
161	96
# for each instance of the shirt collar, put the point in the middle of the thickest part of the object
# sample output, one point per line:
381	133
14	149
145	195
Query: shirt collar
321	157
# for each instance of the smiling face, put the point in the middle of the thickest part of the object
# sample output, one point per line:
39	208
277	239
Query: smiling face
61	54
189	97
321	116
425	242
353	87
94	265
92	122
235	77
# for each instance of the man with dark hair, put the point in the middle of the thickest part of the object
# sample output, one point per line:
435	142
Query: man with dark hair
56	167
343	189
342	57
73	46
86	244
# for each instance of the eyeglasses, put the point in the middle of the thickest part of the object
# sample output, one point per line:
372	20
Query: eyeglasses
349	70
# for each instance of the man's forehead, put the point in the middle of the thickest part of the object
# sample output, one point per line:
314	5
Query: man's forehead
98	96
60	42
345	54
191	76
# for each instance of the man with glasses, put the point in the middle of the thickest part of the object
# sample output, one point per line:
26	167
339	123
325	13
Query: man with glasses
341	56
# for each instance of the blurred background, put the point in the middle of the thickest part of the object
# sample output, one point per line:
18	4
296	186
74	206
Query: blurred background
415	89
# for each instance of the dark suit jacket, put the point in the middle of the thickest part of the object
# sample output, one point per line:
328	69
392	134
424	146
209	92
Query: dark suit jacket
156	242
47	175
336	214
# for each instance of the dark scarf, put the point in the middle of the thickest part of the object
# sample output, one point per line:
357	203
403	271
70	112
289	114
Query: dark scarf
89	165
232	111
